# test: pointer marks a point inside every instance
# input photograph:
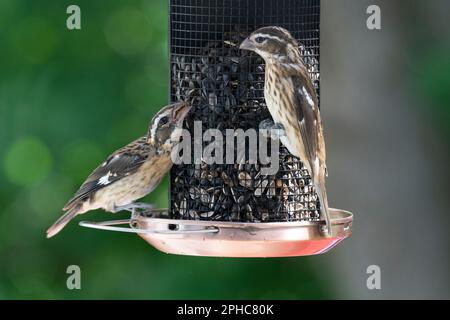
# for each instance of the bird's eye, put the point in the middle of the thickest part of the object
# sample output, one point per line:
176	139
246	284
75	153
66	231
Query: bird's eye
259	39
163	121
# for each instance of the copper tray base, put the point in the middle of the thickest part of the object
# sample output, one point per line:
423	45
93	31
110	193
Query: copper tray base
234	239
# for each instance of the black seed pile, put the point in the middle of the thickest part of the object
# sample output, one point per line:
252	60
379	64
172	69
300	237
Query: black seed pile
228	86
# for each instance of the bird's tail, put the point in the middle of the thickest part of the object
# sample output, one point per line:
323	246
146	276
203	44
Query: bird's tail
72	210
319	182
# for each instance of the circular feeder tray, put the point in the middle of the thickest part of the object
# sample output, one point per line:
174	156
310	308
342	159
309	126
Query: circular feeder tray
233	239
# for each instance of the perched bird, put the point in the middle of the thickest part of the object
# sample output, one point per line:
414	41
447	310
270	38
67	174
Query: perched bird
292	102
131	172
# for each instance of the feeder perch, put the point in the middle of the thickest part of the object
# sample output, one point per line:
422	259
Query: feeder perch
233	210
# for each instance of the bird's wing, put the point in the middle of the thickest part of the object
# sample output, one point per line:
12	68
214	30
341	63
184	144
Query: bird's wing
120	164
307	108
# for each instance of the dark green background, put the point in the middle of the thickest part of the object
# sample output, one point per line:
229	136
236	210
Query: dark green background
70	98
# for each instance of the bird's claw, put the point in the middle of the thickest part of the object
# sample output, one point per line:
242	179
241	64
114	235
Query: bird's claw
271	130
132	207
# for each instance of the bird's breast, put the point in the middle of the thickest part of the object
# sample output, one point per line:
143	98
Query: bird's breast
153	170
280	100
134	186
278	96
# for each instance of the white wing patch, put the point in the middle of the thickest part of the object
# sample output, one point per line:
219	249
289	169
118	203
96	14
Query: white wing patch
308	97
105	179
317	164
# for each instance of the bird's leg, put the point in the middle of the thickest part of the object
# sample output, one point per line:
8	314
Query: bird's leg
272	130
266	124
279	130
133	214
135	205
143	205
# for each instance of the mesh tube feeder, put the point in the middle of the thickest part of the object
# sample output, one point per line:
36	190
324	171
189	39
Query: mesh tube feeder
234	209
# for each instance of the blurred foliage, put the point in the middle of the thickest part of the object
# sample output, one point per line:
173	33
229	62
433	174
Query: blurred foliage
431	83
427	60
67	100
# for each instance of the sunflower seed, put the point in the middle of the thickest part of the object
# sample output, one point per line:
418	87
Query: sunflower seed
245	179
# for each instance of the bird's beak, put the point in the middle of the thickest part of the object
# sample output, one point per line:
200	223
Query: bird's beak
247	45
180	111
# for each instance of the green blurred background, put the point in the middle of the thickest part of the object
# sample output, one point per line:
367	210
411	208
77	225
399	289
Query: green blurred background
70	98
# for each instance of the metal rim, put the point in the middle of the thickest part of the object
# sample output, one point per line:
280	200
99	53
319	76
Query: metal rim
231	239
208	226
110	226
347	218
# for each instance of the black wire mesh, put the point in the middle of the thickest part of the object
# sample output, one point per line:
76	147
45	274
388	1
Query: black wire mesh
206	62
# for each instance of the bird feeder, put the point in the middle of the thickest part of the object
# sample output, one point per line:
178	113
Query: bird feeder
234	209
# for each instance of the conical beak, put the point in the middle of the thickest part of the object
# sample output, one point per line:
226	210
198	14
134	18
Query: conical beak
180	111
247	44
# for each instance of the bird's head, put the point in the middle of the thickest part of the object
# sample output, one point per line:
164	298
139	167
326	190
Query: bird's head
165	128
272	43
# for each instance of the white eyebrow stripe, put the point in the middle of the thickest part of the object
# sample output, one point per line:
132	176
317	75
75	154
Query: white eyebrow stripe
155	124
265	35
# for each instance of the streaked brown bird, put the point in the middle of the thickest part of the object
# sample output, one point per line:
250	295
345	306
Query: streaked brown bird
292	101
131	172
